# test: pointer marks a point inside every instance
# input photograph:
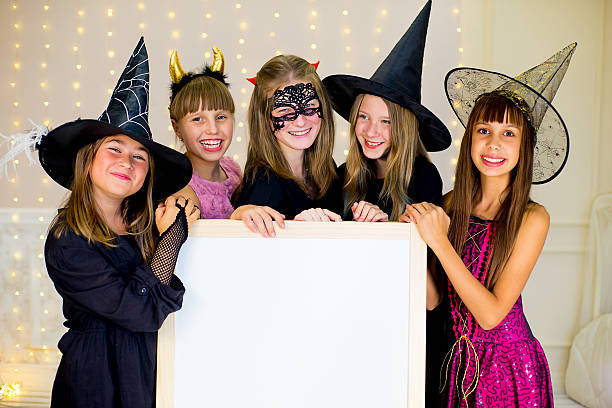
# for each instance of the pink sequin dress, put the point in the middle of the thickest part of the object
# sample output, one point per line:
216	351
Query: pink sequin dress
498	368
215	198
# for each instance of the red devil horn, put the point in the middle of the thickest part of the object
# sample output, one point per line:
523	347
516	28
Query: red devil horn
316	65
252	80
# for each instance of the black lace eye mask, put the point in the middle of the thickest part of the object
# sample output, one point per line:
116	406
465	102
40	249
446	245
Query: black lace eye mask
293	101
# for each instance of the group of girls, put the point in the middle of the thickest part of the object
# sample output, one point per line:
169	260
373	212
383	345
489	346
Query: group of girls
112	248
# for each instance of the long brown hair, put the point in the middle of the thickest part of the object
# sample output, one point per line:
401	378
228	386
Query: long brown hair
406	146
264	151
492	107
81	214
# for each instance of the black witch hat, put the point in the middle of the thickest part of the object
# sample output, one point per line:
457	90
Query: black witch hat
127	113
397	79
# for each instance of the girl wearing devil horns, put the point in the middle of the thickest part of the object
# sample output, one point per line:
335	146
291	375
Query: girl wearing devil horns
289	172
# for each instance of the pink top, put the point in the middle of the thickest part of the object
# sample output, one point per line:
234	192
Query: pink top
215	197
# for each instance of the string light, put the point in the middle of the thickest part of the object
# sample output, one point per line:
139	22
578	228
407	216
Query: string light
10	390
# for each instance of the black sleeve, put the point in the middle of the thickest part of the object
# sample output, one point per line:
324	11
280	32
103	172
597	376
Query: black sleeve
333	199
87	279
263	189
425	183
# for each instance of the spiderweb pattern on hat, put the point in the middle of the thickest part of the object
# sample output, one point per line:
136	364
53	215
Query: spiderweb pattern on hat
128	91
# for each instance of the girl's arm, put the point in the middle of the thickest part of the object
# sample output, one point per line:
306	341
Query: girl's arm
488	307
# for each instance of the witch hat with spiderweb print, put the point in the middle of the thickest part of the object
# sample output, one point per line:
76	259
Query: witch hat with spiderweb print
532	92
127	113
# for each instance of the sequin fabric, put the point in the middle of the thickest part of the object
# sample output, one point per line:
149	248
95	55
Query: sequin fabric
498	368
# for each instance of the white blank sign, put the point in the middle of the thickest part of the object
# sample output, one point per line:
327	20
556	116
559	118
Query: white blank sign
324	315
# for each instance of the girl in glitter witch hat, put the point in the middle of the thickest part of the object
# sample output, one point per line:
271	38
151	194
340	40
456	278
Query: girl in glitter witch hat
491	238
114	272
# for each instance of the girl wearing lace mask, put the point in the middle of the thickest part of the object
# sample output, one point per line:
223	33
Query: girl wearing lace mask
289	165
110	253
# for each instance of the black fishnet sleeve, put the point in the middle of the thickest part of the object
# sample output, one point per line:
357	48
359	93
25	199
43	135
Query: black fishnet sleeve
168	246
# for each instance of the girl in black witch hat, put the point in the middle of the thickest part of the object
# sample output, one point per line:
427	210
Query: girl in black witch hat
115	278
387	165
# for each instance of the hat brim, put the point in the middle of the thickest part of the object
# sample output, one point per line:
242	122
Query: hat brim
58	149
344	89
464	85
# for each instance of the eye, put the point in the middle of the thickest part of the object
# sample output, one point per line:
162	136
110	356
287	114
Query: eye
386	121
114	149
196	119
139	157
222	117
483	131
362	116
509	133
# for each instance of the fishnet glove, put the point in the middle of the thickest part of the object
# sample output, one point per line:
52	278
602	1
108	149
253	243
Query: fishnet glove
168	246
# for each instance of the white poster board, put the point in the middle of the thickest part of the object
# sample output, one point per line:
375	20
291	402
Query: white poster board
325	315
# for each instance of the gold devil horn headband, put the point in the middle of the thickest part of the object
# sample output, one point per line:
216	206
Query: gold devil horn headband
176	71
218	64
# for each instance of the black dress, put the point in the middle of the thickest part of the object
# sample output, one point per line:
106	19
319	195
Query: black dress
267	188
113	306
425	185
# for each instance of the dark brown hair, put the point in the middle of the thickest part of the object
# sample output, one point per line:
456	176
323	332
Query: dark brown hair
467	192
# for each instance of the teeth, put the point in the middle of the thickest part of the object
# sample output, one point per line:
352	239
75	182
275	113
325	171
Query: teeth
211	143
492	160
299	132
373	144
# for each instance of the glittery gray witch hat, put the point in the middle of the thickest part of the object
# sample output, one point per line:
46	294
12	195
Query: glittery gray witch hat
532	91
127	113
397	79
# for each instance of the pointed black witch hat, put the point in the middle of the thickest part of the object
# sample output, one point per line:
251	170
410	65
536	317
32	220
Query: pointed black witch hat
128	114
532	92
397	79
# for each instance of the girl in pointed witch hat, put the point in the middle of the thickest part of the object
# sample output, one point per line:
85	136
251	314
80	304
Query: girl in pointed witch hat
491	238
289	165
387	165
114	273
391	131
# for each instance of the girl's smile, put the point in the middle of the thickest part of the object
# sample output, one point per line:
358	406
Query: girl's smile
211	145
372	128
495	147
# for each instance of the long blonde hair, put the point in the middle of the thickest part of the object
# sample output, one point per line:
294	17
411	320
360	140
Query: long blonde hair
80	213
467	191
264	149
406	146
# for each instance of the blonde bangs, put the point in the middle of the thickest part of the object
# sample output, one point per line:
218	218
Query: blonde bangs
204	93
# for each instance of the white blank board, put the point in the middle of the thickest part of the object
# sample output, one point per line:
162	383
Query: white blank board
323	316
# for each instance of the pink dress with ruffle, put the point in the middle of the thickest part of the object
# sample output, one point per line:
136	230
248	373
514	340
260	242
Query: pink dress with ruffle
215	198
498	368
